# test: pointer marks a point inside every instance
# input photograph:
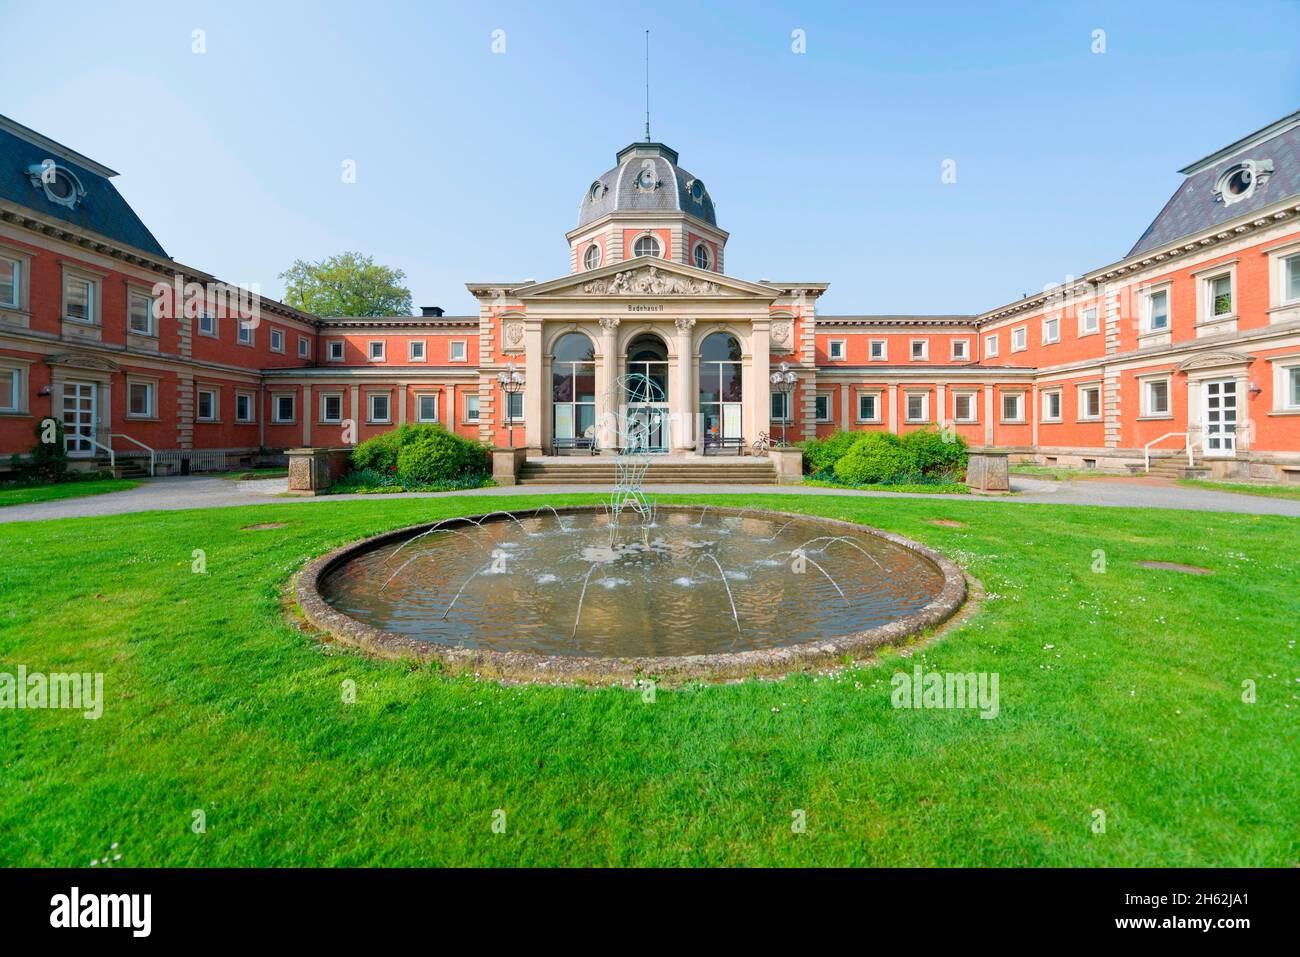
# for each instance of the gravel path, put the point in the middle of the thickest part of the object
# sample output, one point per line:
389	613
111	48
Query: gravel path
197	491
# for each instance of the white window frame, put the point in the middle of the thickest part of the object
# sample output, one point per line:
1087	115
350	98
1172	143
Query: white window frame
465	408
424	350
784	400
659	246
1089	320
329	350
151	398
1051	323
370	350
1044	415
1084	388
1147	408
455	346
1286	384
251	417
511	398
274	336
1019	396
276	418
16	268
973	396
92	297
215	393
212	333
304	347
837	349
875	397
419	404
1287	265
134	298
1205	280
908	396
324	404
925	350
708	255
1020	333
884	350
373	419
247	333
991	345
829	399
965	350
1149	294
586	256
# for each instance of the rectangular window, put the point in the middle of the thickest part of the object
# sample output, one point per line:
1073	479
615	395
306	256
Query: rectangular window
245	333
514	406
1090	402
1158	311
1088	321
139	400
963	406
140	314
1294	376
207	405
960	349
10	386
1019	338
456	350
243	407
868	407
991	345
1052	406
426	408
780	406
277	340
835	349
1220	292
331	407
11	277
471	407
918	407
920	349
304	347
284	408
823	408
376	350
379	407
336	350
1157	397
879	349
207	324
1013	407
1290	277
1051	330
415	350
78	299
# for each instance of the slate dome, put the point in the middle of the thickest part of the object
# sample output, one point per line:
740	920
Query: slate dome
647	178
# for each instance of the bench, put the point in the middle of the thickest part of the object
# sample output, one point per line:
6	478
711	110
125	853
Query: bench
578	444
720	445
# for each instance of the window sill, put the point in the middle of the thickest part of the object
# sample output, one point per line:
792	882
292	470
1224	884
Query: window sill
965	421
245	422
417	360
208	421
1089	418
1084	333
1162	417
1215	320
377	422
1284	412
142	418
1056	421
1012	422
14	414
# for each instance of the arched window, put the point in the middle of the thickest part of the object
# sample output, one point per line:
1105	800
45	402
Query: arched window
573	387
703	259
720	390
591	258
646	246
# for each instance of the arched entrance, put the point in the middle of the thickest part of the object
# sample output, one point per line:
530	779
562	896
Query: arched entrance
647	406
573	388
721	393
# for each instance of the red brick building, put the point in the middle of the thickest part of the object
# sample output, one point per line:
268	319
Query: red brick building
1192	339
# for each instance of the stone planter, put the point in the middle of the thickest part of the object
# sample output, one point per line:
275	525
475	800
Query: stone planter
789	465
311	471
988	472
506	465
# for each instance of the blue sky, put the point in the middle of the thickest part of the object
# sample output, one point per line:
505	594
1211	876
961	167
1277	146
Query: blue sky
825	166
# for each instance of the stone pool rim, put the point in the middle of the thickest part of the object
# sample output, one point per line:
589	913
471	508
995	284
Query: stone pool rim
573	669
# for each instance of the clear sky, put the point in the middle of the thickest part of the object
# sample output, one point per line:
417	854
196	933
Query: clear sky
825	165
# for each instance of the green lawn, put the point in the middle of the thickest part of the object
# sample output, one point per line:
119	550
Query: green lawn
924	488
1119	691
1272	491
27	494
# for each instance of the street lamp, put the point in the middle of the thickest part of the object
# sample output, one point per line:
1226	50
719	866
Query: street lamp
783	382
511	381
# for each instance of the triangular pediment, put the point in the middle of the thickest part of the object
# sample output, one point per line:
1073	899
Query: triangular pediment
647	277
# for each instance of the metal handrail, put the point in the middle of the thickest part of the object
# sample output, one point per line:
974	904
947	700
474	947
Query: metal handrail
1187	441
123	435
112	458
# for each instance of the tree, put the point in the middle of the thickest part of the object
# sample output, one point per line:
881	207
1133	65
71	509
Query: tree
348	284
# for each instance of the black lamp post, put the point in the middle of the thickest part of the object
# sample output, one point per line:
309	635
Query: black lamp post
511	381
783	382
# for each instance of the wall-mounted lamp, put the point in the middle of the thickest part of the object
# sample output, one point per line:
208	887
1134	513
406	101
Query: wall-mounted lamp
44	390
1254	389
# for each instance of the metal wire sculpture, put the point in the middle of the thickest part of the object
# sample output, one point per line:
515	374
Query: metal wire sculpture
638	415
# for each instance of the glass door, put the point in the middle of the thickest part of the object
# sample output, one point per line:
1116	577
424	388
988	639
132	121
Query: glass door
1220	418
646	409
79	418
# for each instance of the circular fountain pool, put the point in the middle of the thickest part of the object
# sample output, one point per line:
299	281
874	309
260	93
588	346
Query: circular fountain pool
572	595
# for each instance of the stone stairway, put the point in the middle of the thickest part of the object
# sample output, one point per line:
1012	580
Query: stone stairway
1171	467
598	470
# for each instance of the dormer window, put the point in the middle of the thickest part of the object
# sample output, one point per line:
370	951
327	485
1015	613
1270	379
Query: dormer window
1240	181
59	183
646	179
597	191
697	190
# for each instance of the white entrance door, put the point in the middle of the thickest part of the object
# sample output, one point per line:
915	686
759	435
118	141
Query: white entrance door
79	418
1220	418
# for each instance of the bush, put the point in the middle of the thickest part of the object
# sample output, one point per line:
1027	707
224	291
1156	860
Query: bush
48	461
874	458
937	453
820	455
421	455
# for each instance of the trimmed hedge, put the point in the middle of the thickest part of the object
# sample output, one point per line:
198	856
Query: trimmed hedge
881	457
422	455
820	455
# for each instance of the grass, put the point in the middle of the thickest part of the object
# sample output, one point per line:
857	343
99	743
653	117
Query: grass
1245	488
1060	474
930	488
29	494
1120	691
249	474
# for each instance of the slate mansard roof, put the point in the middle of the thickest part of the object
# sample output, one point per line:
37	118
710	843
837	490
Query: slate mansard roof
101	209
1194	207
674	189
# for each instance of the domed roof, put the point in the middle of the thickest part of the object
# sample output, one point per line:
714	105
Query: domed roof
647	177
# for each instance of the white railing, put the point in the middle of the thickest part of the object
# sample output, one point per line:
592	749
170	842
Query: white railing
1187	442
123	435
79	437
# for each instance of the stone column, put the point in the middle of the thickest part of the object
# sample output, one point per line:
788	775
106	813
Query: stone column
608	399
306	416
1243	437
683	405
536	427
760	348
988	416
845	421
354	399
940	406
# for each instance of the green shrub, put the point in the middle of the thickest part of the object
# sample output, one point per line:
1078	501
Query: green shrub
48	461
820	455
439	456
937	452
380	453
876	457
